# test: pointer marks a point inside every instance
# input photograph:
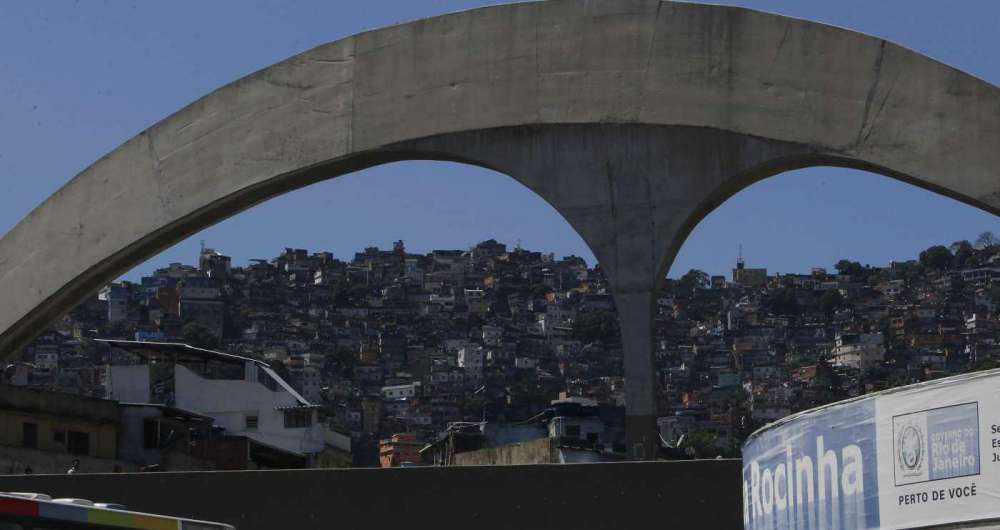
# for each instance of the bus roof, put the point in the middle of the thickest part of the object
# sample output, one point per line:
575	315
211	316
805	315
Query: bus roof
34	508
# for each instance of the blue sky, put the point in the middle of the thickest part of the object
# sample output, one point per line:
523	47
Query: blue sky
79	78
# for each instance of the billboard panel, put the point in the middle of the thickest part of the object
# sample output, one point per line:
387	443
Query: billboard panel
915	456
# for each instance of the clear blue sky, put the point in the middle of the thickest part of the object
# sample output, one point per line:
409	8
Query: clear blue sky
79	78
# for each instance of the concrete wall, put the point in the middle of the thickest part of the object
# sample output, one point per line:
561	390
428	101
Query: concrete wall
56	414
697	494
541	451
102	437
13	461
26	399
129	383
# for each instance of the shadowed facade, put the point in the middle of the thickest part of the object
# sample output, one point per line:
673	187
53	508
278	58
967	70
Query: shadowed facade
632	118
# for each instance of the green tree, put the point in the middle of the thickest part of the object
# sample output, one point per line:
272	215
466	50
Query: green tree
194	334
783	302
694	278
985	364
830	302
986	241
964	253
937	257
848	267
704	444
596	326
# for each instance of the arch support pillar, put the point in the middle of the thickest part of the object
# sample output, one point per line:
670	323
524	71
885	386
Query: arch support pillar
635	315
632	193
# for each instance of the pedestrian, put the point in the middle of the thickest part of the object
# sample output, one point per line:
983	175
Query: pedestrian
73	468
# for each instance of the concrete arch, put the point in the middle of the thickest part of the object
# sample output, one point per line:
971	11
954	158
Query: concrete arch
778	166
631	117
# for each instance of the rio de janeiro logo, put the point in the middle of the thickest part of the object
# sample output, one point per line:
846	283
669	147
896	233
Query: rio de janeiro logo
910	449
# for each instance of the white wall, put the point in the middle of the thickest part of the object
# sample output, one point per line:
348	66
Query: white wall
230	401
129	383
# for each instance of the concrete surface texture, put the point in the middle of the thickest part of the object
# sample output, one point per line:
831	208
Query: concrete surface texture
633	118
541	451
694	494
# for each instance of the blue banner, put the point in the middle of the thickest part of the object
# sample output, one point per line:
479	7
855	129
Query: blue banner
816	471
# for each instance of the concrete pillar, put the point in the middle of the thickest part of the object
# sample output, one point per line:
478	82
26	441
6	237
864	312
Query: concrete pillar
636	319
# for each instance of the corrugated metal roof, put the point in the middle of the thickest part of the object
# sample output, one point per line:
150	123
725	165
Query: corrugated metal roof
138	347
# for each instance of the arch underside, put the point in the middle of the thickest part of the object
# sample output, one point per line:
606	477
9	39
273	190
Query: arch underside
632	118
660	181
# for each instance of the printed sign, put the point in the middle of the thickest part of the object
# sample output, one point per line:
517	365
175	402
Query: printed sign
936	444
917	456
816	472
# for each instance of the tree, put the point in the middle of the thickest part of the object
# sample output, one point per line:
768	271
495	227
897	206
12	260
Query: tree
851	268
986	241
964	253
984	364
596	326
783	302
705	444
194	334
936	257
694	278
830	302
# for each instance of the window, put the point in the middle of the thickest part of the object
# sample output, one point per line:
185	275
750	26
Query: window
297	419
78	443
29	435
251	422
59	437
150	434
573	431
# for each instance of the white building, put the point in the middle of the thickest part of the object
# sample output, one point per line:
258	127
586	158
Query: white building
242	395
408	390
861	351
116	295
471	358
580	428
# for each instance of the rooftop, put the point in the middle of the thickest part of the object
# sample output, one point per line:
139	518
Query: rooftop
58	403
174	351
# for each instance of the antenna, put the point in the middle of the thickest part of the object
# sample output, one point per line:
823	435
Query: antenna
202	246
739	258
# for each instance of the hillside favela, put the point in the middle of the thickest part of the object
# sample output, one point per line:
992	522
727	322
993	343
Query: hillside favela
487	355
